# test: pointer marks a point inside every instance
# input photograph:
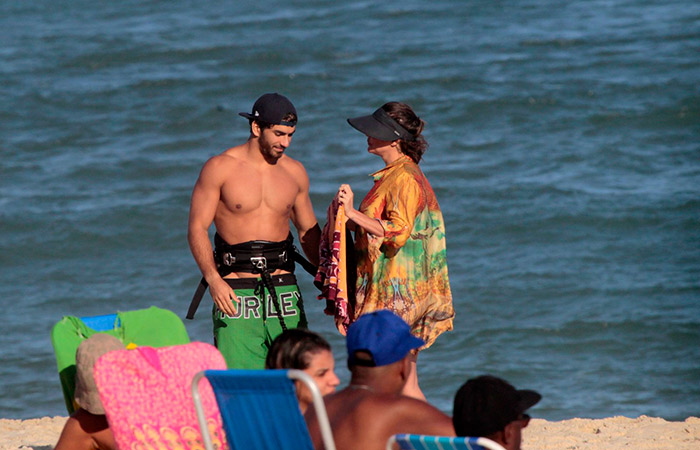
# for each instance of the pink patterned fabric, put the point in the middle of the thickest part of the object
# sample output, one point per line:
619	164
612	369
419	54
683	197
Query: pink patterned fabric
332	276
148	400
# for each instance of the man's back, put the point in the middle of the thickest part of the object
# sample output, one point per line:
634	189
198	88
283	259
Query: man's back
363	419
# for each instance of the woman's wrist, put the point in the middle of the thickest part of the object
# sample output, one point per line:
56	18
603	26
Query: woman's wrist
350	212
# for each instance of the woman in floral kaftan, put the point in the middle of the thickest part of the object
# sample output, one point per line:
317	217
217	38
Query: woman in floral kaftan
399	231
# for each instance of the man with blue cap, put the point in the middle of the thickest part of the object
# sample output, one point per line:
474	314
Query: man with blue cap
371	408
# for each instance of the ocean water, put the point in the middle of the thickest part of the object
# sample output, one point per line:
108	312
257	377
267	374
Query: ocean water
564	150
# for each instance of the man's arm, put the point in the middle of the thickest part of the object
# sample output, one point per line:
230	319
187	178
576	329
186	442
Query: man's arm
205	199
304	219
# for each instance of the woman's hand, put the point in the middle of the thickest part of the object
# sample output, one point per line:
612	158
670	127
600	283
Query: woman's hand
346	197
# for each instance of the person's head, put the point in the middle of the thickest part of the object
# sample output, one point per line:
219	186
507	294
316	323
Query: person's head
272	121
380	340
393	124
490	407
86	395
305	350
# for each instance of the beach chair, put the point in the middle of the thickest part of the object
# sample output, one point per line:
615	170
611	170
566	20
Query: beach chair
146	394
155	327
259	409
425	442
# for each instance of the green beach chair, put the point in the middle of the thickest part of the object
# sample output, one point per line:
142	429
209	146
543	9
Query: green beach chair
154	327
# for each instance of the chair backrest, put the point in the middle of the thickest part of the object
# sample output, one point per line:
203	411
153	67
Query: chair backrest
146	394
260	409
425	442
155	327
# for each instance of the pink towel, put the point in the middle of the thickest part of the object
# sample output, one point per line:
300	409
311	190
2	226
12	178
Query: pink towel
148	400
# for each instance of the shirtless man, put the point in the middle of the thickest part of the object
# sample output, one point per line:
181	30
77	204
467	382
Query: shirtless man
371	409
251	192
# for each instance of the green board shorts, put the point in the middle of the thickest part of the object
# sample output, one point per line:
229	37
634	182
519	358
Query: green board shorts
245	339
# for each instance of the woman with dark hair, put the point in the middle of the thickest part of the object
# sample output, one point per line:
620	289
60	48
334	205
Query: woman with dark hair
399	232
305	350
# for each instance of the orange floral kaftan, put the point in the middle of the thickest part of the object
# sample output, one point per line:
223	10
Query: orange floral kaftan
406	270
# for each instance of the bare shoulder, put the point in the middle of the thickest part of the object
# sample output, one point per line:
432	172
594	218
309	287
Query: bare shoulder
234	155
220	165
390	414
295	167
397	407
410	405
296	171
417	416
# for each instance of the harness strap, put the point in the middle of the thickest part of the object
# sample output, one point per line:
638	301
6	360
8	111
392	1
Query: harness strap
297	257
267	281
197	298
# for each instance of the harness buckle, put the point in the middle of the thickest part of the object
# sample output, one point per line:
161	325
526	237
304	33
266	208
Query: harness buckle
259	262
228	259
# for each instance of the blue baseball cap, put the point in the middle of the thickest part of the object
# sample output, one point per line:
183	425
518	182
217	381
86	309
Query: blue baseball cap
382	334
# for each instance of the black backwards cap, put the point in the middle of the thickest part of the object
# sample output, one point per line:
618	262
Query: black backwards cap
271	109
486	404
382	126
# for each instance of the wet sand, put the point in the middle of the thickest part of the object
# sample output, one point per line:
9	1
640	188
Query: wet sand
642	433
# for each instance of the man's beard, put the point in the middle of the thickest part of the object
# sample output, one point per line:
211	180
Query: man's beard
270	153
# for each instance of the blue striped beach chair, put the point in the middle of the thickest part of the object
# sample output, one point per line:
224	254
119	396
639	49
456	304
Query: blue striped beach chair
424	442
260	410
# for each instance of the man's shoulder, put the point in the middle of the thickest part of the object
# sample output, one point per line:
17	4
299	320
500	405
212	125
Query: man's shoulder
405	403
292	166
233	154
400	405
409	415
288	161
227	158
384	415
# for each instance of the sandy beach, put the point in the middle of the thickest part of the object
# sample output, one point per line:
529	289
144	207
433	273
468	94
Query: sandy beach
642	433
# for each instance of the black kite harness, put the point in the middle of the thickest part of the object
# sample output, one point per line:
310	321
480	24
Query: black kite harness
258	257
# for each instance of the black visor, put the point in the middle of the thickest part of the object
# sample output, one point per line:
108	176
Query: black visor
380	126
